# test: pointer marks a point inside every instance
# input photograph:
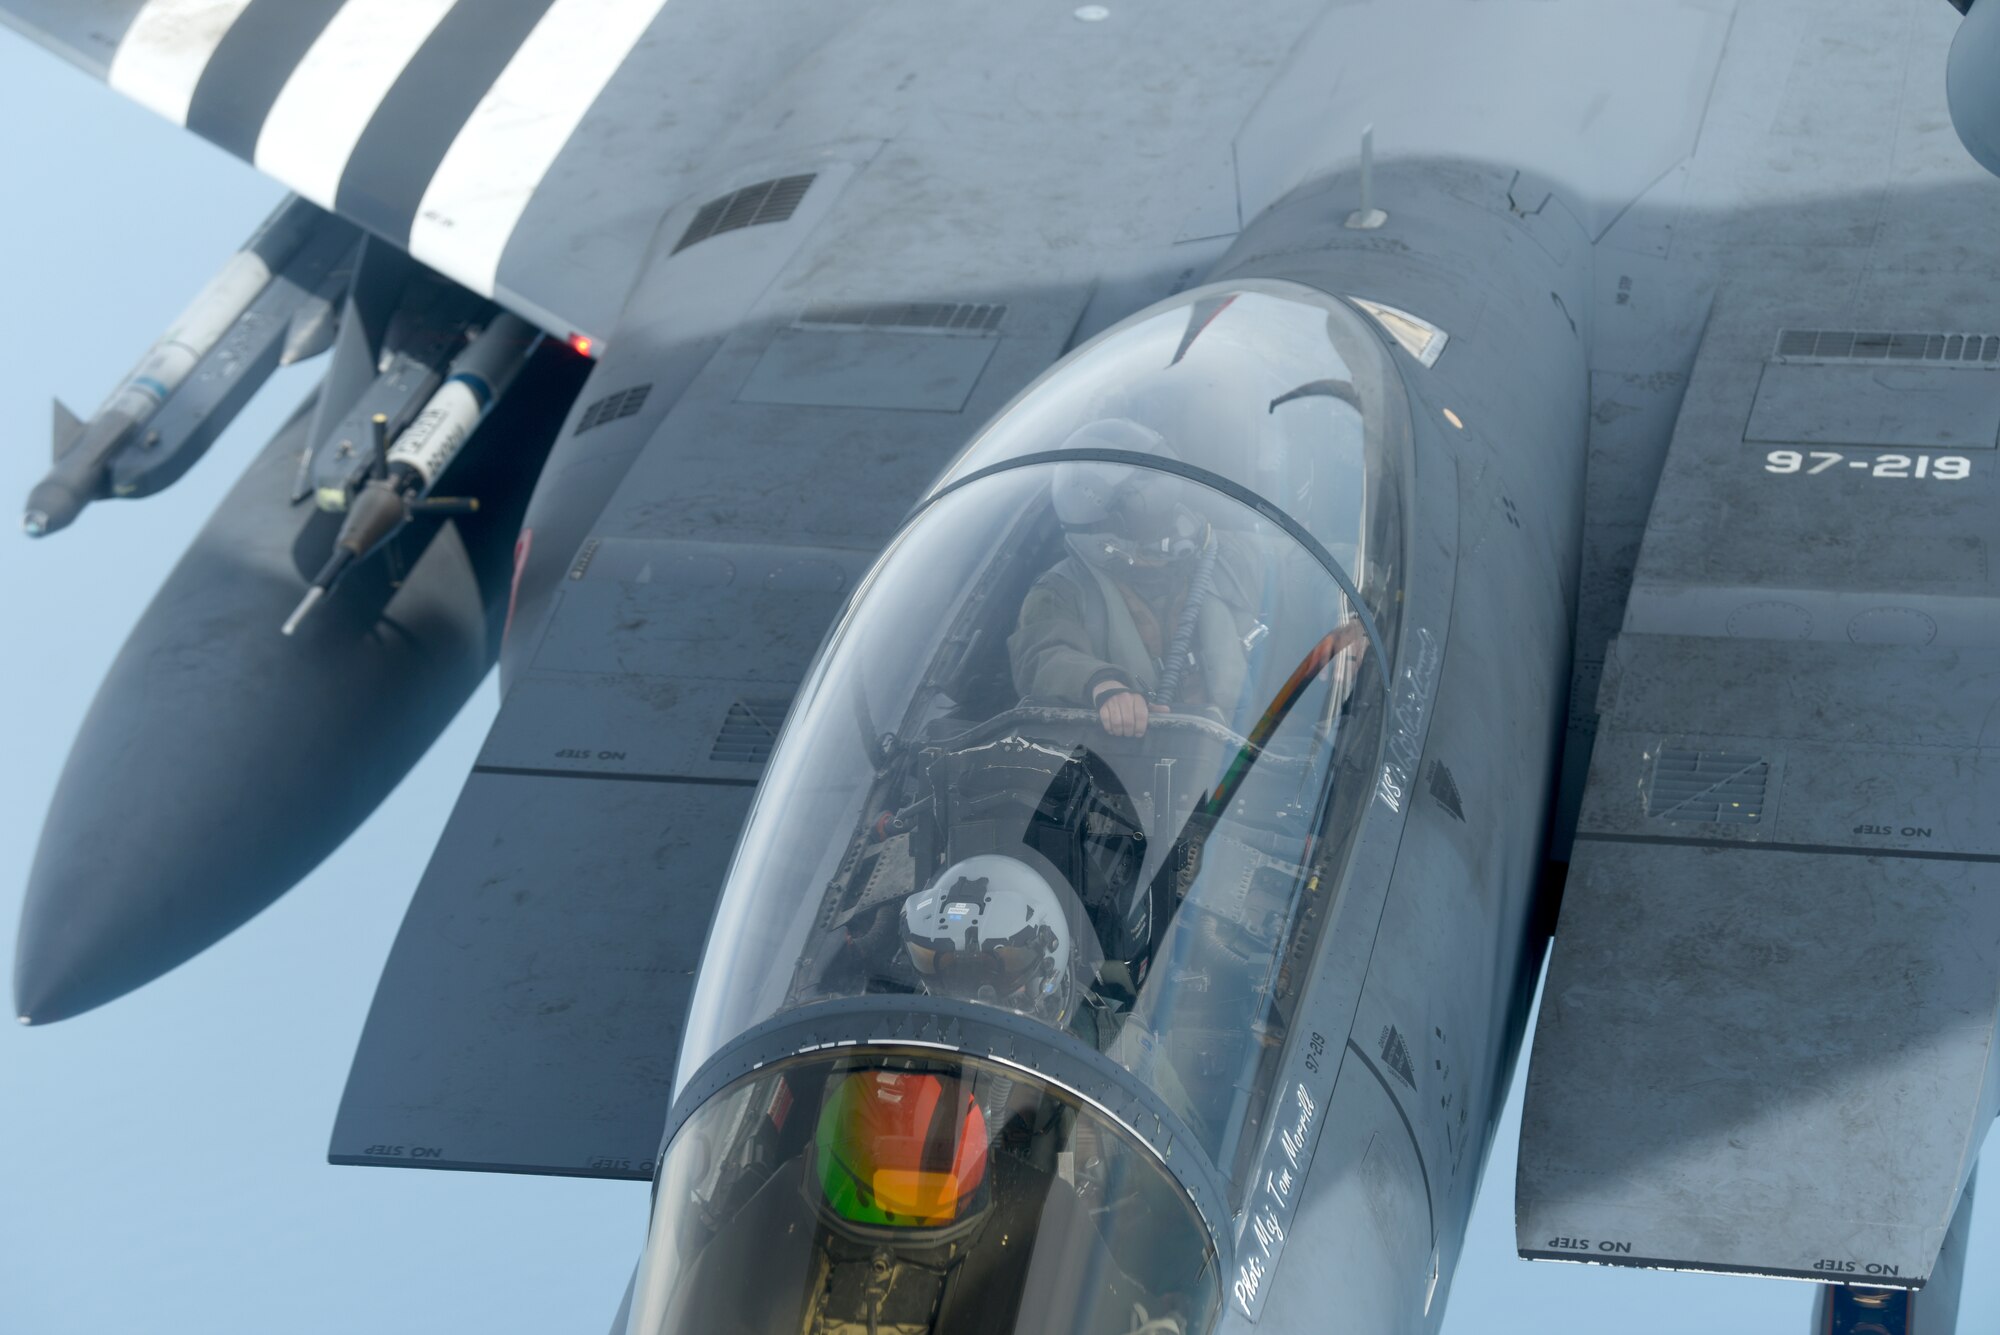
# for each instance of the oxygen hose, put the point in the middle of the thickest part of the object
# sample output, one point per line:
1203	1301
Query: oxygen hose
1173	664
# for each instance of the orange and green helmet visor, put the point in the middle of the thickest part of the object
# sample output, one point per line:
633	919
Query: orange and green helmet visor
901	1149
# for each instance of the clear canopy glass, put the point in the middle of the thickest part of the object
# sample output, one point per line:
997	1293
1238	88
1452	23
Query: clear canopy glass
1094	738
892	1193
1283	390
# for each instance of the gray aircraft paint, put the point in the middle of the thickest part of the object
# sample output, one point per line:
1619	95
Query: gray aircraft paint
1749	588
85	33
1608	208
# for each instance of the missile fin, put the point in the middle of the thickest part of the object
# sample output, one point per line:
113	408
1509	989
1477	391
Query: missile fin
67	429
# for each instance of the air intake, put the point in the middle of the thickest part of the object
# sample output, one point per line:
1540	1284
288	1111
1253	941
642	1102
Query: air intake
752	206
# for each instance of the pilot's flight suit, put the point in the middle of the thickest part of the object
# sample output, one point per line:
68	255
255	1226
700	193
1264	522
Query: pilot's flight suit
1081	626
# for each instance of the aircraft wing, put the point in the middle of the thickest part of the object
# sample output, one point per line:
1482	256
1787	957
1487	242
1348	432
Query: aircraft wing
1766	1042
494	141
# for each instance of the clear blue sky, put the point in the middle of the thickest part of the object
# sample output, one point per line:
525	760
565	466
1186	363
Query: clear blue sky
162	1162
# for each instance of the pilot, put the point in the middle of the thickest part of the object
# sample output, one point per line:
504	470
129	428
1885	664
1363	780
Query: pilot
1151	610
993	929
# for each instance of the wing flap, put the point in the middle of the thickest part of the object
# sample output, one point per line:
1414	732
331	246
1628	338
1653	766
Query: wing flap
1766	1039
527	1020
529	1017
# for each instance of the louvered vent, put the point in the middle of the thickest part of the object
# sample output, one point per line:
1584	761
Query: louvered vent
749	729
1847	345
612	407
752	206
1445	789
964	317
1708	786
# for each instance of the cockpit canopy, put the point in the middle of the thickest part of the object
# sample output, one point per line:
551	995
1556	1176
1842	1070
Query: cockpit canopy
1282	390
1092	742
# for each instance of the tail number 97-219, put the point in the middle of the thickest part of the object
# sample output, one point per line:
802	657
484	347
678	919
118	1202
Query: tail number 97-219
1941	468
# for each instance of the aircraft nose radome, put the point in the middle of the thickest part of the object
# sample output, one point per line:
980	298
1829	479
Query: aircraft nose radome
129	881
219	764
61	974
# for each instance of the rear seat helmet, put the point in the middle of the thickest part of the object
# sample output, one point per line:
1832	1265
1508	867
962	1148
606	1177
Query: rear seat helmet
992	929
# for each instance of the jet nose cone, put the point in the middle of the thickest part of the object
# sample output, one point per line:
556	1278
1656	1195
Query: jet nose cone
221	761
218	765
57	976
131	878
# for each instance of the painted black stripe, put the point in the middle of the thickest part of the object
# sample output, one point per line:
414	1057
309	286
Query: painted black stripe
249	68
1759	846
426	107
613	776
1415	1144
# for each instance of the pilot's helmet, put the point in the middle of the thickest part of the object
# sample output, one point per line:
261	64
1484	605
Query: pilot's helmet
902	1149
1122	516
993	929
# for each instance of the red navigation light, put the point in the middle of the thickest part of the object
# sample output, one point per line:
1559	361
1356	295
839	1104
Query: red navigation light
584	344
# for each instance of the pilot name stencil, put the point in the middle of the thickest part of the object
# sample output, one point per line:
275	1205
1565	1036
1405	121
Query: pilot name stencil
1413	704
1276	1196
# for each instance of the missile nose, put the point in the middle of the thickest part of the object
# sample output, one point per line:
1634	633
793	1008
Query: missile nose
51	508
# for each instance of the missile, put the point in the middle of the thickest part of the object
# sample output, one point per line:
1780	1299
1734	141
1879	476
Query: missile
411	467
83	450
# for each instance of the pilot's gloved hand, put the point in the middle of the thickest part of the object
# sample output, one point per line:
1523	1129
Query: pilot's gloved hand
1124	712
1350	635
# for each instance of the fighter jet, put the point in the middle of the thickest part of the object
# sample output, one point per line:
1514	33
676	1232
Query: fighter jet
1074	587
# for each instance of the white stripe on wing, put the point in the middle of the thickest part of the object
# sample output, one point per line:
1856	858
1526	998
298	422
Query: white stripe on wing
498	160
333	94
165	50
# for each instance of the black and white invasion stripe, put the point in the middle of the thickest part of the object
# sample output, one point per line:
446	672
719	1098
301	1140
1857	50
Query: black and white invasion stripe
430	122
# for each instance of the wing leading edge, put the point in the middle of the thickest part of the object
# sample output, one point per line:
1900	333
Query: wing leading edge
488	138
